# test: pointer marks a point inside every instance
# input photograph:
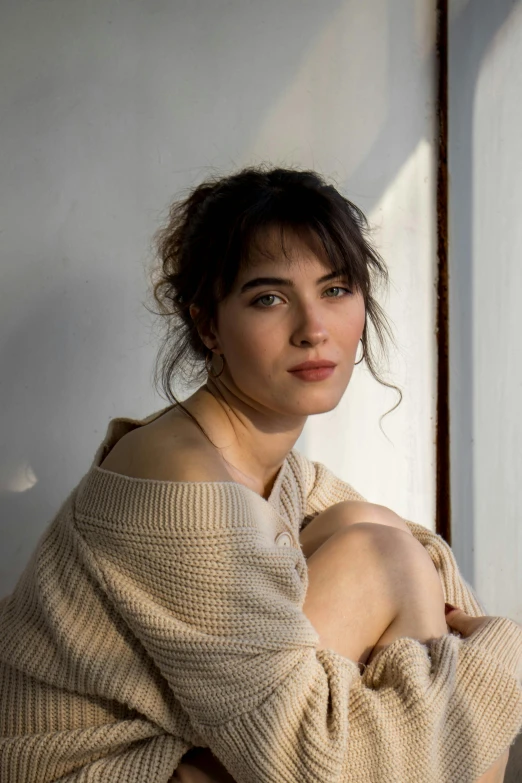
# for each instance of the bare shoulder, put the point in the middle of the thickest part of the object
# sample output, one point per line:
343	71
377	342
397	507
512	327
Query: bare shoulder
165	451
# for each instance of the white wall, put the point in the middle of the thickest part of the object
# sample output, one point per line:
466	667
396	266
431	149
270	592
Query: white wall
107	111
486	289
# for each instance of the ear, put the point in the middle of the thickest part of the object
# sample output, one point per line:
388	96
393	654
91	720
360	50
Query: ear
205	332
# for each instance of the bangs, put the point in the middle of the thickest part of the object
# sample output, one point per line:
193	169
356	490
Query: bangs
274	242
266	233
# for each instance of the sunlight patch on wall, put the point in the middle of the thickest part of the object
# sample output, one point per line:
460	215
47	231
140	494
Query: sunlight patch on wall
329	117
17	478
399	472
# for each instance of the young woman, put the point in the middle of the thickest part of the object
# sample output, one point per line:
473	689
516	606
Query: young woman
245	614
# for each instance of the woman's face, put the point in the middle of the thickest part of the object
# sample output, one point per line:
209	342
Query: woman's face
265	328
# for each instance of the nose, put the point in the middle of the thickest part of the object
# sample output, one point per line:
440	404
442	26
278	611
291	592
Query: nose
311	329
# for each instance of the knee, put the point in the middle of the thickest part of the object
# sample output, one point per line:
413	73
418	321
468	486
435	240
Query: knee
406	560
372	566
343	515
411	575
385	559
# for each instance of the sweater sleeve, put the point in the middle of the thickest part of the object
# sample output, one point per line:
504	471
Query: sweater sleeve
218	607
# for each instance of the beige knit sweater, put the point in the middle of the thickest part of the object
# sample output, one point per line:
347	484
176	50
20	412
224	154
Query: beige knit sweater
158	615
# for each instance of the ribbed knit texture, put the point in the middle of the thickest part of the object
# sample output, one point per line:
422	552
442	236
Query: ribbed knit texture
156	615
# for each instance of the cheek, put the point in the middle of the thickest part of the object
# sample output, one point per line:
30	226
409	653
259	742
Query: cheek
350	335
355	326
248	348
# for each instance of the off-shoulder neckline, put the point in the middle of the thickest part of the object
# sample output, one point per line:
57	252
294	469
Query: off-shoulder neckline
133	423
114	476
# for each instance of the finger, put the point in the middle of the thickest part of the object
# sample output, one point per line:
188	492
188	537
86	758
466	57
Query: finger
457	619
462	622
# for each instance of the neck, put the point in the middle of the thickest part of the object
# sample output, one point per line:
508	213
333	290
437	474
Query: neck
252	440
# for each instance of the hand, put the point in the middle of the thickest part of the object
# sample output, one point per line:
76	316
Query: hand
464	623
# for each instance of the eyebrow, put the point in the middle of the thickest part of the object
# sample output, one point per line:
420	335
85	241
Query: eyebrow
259	281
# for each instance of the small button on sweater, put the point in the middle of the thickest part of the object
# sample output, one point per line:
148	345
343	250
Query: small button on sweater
155	616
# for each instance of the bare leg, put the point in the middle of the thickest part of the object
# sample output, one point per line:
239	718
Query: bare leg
495	774
394	591
377	566
393	586
387	574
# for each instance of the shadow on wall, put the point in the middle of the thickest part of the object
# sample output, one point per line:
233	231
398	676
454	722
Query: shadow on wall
85	133
470	35
56	359
56	372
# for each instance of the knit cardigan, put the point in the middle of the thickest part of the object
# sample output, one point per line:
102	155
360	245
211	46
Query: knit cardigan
155	616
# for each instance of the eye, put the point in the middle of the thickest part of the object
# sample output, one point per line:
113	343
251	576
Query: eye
266	296
274	296
338	288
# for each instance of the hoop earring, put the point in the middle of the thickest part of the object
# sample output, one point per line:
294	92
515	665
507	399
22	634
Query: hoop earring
209	369
362	357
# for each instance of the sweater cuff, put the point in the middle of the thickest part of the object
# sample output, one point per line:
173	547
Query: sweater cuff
501	637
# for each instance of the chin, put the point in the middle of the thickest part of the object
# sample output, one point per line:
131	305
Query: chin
323	408
312	407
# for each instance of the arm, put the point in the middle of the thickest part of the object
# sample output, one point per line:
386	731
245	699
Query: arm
218	607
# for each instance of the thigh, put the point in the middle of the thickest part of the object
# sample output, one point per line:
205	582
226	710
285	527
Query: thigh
357	583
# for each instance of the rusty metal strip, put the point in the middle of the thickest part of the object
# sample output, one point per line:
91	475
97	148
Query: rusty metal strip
443	488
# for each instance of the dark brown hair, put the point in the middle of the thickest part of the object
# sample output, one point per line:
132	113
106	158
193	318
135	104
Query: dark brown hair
207	241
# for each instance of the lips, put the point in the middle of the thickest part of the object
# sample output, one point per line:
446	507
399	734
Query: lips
312	365
314	374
